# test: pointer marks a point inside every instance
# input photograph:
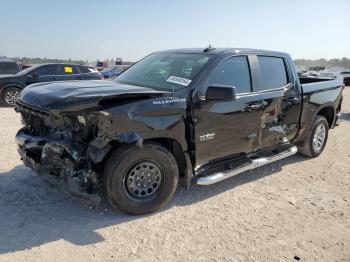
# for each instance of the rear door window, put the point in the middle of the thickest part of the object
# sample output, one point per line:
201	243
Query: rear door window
233	71
273	73
68	69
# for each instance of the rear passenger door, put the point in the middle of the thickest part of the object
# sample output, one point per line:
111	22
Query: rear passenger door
279	100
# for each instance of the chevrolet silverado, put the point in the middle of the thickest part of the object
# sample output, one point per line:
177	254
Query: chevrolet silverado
176	117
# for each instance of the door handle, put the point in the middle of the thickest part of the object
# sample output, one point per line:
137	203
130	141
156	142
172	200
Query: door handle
292	99
257	105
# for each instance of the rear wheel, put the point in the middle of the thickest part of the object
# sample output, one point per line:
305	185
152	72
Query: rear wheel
9	96
316	141
140	180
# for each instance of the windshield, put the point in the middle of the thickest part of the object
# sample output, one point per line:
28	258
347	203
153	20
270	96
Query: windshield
28	70
163	71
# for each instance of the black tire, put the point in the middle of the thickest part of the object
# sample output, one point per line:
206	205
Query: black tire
308	149
347	81
9	95
117	172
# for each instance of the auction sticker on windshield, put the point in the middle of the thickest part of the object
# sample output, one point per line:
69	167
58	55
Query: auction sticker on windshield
179	80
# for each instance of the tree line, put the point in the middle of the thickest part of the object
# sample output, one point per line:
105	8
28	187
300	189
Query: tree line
343	62
38	60
335	62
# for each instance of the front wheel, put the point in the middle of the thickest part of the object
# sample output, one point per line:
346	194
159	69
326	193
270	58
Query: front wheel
140	180
9	96
316	140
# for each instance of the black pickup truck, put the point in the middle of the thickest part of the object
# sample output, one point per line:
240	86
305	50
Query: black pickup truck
179	116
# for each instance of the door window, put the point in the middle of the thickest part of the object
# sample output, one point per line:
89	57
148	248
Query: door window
273	73
233	71
85	69
46	70
67	69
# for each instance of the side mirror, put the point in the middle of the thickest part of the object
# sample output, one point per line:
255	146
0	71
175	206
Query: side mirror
221	92
35	75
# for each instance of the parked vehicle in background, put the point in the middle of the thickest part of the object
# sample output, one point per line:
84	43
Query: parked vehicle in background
118	61
101	65
9	66
317	68
311	74
113	71
25	66
302	73
346	77
190	115
11	85
343	75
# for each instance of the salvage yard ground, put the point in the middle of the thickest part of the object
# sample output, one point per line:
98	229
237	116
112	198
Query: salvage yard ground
297	208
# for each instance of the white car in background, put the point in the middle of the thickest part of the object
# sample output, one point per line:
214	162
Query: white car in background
343	75
312	74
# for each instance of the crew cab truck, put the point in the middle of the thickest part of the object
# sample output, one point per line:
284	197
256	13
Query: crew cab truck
179	116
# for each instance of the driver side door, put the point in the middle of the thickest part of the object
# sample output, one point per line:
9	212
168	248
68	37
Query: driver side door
45	73
228	128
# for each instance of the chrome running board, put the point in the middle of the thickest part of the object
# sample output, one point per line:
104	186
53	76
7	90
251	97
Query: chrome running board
214	178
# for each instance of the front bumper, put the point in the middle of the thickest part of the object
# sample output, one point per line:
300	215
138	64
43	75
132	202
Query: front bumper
59	162
30	149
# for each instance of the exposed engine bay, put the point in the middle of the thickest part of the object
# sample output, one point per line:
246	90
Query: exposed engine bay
69	146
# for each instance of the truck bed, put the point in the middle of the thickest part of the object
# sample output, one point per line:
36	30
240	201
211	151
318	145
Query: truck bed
307	80
310	84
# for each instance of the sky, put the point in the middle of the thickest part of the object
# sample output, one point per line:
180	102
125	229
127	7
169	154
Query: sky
131	29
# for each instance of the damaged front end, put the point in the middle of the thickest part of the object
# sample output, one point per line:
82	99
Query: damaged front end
65	147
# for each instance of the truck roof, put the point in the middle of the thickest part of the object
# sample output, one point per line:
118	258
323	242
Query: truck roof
217	51
6	60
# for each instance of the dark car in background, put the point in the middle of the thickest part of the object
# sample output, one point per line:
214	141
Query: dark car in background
9	66
114	71
100	65
12	84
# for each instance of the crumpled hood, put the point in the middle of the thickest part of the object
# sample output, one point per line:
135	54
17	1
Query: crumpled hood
79	95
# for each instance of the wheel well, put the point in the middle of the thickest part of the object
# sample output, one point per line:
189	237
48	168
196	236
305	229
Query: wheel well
3	88
172	145
328	113
175	148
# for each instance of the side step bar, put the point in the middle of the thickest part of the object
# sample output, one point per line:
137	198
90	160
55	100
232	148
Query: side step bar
214	178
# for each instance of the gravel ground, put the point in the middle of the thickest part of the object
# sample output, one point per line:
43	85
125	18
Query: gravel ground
297	208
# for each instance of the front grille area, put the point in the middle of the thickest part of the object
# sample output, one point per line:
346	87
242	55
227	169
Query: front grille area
33	119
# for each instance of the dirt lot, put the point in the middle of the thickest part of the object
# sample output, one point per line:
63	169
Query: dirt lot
295	208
